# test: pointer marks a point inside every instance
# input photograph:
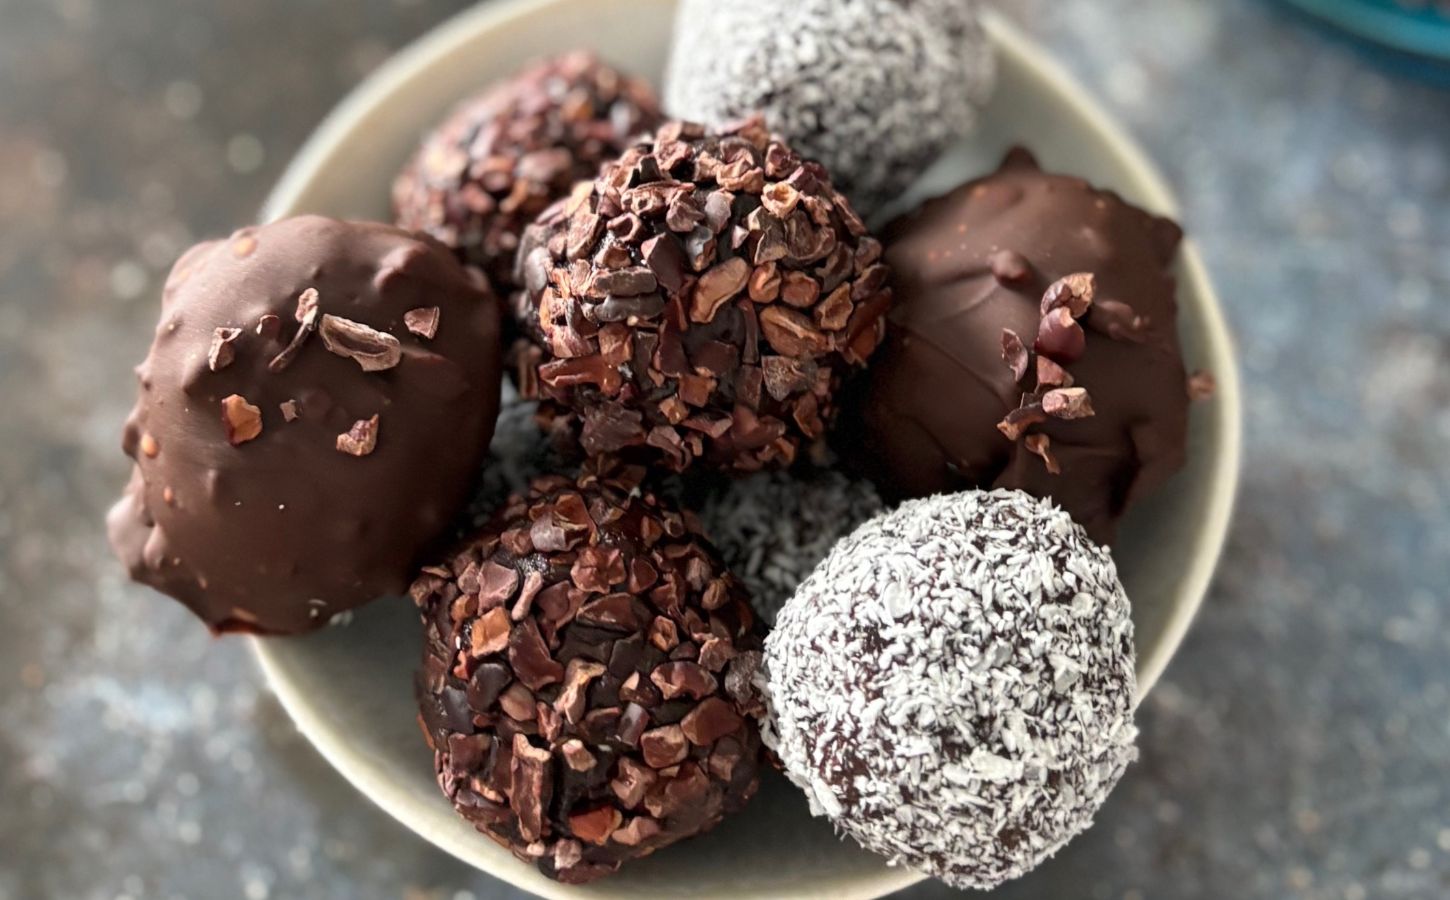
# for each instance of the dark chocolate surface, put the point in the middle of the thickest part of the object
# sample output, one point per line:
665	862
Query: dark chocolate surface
312	414
974	265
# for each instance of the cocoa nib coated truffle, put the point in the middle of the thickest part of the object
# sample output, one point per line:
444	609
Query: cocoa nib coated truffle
954	685
312	413
587	677
700	300
1033	345
874	89
502	157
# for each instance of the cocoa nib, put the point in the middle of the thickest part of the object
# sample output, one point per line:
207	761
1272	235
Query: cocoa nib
242	420
306	316
532	787
221	353
711	720
716	286
1041	445
361	439
1019	420
663	747
1060	338
1072	292
1014	354
422	321
1067	403
1050	374
371	349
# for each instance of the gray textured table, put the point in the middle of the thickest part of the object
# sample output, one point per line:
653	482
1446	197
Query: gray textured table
1299	745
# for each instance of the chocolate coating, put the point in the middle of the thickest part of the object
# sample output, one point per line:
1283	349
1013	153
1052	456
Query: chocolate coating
502	157
700	301
976	263
288	470
587	677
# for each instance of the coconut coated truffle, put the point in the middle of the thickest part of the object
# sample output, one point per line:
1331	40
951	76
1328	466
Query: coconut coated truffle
700	301
1033	345
874	89
587	679
773	528
954	685
502	157
312	414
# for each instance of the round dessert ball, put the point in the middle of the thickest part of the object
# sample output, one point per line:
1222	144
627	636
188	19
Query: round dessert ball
587	679
874	89
773	528
699	301
502	157
312	415
1033	345
954	685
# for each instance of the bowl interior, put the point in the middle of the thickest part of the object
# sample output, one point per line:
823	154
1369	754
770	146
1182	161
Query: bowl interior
349	689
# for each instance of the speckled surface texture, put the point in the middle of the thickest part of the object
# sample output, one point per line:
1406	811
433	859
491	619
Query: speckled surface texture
1298	745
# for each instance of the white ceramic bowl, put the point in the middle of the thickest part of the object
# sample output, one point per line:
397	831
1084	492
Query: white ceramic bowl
349	689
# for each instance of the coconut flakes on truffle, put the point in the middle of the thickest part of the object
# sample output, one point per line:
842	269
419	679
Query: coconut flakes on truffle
954	685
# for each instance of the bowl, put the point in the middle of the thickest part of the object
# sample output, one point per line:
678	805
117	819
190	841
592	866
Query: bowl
349	688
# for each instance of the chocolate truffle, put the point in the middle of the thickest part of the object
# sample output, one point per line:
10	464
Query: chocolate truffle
700	300
588	677
502	157
773	528
312	414
1033	345
874	89
954	685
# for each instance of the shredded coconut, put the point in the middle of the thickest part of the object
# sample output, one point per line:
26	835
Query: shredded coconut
874	89
954	685
772	528
519	453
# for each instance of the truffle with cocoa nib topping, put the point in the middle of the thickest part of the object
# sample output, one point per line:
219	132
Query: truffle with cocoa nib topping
700	301
587	678
1033	345
312	414
500	158
954	685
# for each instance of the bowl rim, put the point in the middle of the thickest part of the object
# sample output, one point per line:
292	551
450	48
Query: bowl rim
1152	188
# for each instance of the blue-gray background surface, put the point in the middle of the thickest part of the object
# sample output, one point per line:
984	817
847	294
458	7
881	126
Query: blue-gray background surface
1298	747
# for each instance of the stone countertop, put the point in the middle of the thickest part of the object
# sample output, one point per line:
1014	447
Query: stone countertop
1299	745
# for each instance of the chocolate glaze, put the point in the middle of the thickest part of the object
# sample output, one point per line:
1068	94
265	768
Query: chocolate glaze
978	260
279	532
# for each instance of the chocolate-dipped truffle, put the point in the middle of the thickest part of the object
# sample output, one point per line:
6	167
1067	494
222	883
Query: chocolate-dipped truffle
954	685
700	300
587	679
1033	345
312	414
874	89
501	158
